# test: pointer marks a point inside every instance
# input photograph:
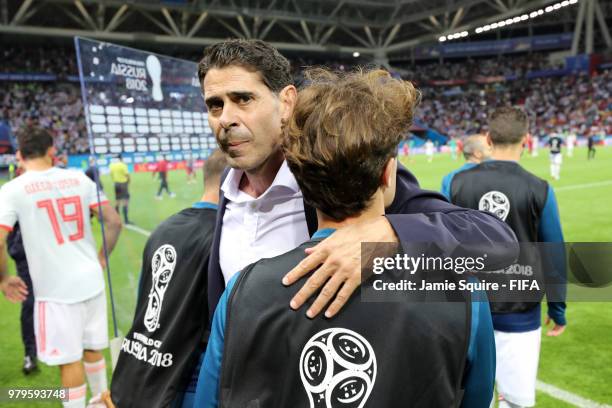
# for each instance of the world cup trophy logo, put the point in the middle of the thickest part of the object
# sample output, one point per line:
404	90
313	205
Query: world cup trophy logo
154	68
338	369
162	268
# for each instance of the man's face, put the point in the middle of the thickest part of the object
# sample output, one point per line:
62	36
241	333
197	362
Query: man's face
245	116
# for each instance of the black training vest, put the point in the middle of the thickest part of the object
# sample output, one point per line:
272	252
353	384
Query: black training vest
390	354
167	336
516	196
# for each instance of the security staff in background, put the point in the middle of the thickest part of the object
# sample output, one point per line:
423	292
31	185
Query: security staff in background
528	205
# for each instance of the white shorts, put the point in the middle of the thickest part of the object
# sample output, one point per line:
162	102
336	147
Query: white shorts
517	356
64	330
556	158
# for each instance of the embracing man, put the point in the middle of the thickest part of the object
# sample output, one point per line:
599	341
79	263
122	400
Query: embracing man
249	93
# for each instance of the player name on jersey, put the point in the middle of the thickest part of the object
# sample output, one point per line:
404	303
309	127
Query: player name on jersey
40	186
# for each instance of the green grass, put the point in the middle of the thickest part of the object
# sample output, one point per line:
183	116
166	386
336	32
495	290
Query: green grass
579	361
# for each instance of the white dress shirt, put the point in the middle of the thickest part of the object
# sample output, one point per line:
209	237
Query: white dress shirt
262	227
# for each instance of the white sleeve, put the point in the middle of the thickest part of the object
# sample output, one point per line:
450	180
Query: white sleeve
8	209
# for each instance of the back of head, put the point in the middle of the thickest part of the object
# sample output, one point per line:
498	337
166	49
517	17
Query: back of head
213	167
508	126
34	142
344	130
252	55
475	147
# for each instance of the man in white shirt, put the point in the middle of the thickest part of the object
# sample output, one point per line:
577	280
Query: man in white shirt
249	93
53	208
429	150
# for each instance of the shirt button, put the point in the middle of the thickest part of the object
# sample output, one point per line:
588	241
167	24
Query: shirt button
253	206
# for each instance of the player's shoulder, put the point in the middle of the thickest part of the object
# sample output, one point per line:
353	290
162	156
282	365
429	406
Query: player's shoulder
533	180
189	220
74	173
10	186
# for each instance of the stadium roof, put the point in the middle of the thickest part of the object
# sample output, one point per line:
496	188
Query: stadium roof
374	27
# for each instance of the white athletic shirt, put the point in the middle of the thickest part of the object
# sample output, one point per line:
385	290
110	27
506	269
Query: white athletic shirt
53	208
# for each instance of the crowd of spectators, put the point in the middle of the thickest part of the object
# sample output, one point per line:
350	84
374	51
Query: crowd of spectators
580	103
53	105
502	66
60	61
574	103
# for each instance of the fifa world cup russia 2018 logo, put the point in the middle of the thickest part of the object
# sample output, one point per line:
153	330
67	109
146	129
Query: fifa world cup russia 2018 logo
162	268
338	369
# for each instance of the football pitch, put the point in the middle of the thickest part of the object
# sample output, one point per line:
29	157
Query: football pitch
578	362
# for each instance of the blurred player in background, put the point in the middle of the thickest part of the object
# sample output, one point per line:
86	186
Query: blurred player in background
17	252
52	206
475	150
189	164
171	307
528	205
591	145
429	150
94	174
121	177
535	141
162	171
452	144
11	169
556	158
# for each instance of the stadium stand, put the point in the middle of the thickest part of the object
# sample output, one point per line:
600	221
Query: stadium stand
457	95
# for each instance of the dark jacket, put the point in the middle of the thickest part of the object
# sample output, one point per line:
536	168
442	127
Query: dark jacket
416	215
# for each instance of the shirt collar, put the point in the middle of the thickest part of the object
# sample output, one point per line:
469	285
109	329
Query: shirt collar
323	233
283	178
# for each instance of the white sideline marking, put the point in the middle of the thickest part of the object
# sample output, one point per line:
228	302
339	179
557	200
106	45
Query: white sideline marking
586	185
568	397
137	229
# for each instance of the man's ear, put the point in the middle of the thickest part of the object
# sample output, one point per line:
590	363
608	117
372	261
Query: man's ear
389	173
19	156
489	141
51	152
288	99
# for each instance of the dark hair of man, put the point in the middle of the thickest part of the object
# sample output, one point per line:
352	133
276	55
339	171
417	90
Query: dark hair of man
214	166
344	130
252	55
508	125
34	142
